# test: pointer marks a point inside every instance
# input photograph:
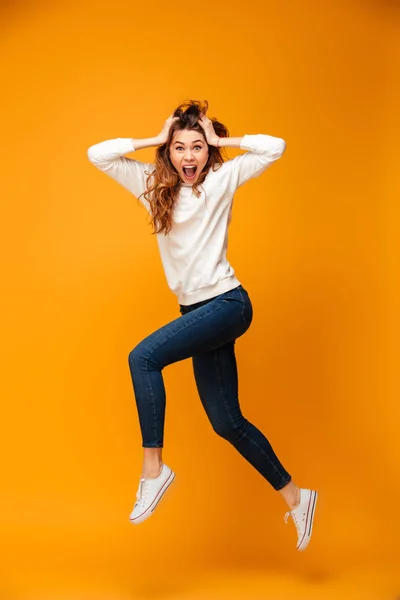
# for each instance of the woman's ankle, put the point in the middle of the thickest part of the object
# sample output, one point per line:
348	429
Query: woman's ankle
152	462
152	472
291	495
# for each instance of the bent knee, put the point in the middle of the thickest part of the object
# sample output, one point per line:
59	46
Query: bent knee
144	357
233	432
137	355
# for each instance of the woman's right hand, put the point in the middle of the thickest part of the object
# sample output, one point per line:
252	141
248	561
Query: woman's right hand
162	137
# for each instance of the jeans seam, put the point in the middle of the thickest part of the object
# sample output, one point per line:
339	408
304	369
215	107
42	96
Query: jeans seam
222	389
271	462
232	420
243	305
152	402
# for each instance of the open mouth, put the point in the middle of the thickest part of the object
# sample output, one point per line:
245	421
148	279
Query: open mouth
190	172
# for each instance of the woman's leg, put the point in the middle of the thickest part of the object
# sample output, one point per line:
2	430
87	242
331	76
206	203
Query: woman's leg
212	324
217	383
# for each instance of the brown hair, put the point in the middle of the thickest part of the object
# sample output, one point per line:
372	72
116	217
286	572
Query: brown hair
163	190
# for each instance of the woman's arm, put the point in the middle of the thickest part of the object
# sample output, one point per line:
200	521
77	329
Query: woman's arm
132	174
108	156
273	144
145	143
159	139
269	144
262	151
229	142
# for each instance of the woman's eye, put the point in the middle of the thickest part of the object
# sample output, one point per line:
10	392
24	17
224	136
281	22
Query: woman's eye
182	148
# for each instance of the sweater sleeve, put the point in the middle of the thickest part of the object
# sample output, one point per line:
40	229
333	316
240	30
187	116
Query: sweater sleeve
262	151
109	157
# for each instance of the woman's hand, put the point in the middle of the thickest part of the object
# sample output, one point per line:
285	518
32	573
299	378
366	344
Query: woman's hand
209	132
162	137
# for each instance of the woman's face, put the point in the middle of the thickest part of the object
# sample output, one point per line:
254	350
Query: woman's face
189	154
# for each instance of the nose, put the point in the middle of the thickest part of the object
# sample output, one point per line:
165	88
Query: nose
188	155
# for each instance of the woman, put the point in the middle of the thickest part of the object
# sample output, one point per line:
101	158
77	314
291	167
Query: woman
188	194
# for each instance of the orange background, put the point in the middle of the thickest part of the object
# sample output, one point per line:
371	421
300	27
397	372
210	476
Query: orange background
315	242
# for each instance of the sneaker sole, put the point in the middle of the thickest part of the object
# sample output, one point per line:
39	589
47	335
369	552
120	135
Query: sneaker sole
148	512
310	520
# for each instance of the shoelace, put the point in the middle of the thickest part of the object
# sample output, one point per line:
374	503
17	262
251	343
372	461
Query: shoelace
141	495
292	514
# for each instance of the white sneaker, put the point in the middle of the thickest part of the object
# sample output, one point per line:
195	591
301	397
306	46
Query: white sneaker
149	494
303	517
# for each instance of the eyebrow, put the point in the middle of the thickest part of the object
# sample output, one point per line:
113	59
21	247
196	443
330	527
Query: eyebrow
194	142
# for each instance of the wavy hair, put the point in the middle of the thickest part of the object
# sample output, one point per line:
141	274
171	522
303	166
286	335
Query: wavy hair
163	183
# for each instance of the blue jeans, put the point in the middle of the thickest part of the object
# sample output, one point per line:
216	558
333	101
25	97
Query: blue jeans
206	331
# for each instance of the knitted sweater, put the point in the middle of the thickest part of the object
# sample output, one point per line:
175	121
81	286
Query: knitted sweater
193	253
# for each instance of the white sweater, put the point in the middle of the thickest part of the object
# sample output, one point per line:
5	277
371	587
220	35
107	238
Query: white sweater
193	254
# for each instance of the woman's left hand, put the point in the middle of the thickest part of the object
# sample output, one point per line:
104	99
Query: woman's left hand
209	132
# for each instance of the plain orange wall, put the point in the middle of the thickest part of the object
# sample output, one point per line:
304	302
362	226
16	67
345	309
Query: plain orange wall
313	240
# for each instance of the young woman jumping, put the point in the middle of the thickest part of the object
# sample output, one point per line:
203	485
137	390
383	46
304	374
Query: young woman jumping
188	193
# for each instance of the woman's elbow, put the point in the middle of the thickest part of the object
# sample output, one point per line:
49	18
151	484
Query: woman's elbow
281	147
91	154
